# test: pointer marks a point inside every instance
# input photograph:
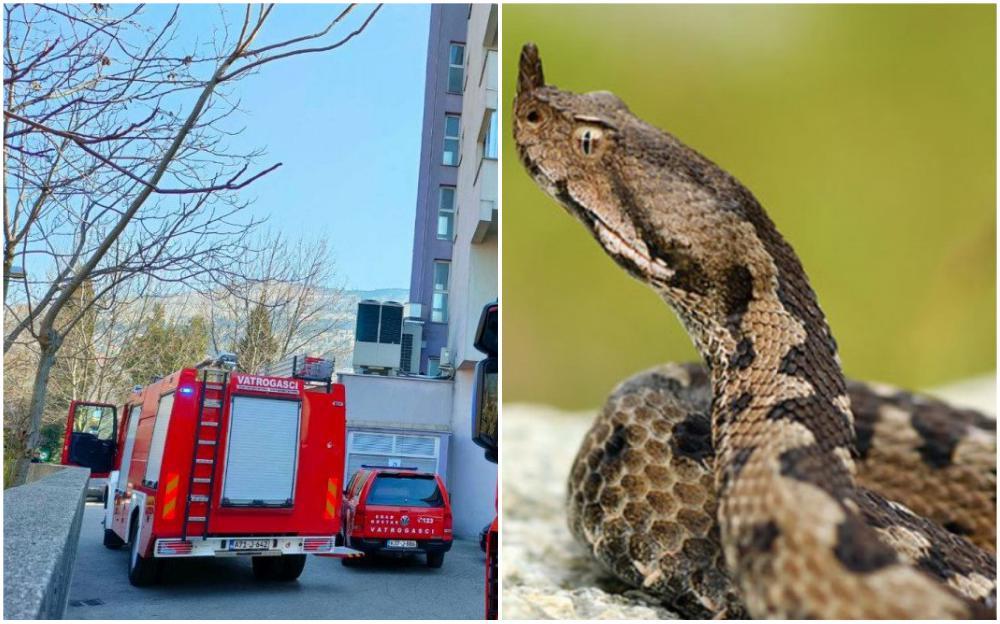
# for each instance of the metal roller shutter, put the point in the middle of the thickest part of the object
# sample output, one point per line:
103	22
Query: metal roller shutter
261	452
392	449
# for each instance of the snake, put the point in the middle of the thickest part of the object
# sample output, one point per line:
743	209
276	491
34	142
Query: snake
759	482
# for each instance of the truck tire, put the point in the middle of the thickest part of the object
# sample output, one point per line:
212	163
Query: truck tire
351	562
283	568
290	567
112	541
435	559
266	568
142	572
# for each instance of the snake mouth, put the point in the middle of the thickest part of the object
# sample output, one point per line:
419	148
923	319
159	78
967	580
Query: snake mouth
634	258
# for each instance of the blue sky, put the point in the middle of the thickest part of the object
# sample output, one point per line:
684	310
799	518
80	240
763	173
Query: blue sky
346	124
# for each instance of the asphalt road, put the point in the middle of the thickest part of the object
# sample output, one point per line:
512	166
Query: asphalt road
224	588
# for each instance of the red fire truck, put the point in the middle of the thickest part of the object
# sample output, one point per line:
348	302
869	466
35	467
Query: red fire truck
221	463
484	433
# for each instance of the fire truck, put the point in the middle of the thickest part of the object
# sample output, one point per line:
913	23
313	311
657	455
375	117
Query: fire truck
217	463
484	433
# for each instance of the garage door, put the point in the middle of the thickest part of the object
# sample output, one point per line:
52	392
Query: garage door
392	449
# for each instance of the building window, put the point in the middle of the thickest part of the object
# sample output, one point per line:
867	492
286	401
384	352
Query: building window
446	213
433	366
451	138
456	67
490	138
439	303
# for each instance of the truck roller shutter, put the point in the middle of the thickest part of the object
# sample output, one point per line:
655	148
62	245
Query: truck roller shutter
261	452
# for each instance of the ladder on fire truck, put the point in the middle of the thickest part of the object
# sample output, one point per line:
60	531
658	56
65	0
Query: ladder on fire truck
201	483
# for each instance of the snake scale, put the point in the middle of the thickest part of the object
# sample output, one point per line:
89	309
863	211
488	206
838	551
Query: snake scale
761	483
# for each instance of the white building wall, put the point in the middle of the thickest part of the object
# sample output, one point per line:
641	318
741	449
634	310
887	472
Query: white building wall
473	480
473	280
408	402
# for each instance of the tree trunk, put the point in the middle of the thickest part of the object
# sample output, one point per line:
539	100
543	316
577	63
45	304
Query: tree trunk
50	346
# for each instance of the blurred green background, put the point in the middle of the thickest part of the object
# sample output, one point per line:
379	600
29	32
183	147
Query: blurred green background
867	132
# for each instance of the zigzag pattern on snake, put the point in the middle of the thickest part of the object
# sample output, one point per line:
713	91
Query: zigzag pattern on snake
763	483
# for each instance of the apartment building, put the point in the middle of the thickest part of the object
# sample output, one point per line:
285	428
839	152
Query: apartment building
434	225
422	417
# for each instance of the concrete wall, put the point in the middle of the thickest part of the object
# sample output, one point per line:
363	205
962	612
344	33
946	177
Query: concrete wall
473	480
394	401
42	470
41	528
447	25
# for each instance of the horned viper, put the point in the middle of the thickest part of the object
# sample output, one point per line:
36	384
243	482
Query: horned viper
761	482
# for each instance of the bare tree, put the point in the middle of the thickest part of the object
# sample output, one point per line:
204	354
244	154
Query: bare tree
295	281
116	159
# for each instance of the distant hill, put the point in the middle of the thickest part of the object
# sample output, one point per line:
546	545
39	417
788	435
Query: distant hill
400	295
337	341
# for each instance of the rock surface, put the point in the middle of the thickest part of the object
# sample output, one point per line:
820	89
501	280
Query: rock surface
545	573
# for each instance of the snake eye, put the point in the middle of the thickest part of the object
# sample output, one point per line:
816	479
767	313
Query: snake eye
589	140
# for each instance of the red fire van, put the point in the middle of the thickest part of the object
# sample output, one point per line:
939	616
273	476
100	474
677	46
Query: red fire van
398	511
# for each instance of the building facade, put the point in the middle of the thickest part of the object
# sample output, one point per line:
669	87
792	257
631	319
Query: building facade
474	256
434	224
423	416
397	421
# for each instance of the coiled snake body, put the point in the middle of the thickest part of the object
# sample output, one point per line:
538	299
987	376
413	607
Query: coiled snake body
763	482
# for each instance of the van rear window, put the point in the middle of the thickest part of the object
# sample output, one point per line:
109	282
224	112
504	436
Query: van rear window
415	491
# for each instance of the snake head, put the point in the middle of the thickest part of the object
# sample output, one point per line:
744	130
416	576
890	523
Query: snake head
666	214
569	143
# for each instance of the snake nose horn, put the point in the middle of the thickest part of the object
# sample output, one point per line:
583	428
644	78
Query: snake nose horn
530	75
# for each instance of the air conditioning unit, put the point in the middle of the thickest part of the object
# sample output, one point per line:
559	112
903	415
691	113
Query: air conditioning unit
445	364
409	359
413	310
378	337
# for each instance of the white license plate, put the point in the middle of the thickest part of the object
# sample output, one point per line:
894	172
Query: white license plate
249	544
401	543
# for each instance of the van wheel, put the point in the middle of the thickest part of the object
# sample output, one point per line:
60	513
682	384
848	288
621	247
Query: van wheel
435	559
112	541
142	572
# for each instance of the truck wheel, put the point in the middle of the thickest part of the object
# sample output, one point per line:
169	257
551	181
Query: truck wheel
290	567
435	559
142	572
266	568
112	541
351	562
